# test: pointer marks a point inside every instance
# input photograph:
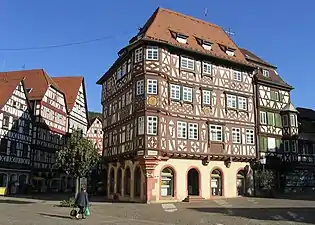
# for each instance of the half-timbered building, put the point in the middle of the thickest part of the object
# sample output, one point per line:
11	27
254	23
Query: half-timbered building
15	135
49	126
95	133
178	109
74	90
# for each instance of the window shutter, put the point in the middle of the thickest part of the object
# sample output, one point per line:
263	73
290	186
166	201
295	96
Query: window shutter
270	119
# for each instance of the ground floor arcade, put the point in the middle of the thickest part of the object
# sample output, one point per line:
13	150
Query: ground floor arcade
176	179
14	181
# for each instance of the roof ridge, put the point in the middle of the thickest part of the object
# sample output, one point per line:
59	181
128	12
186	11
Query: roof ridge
189	17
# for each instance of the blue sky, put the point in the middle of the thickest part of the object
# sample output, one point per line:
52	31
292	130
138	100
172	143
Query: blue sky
281	32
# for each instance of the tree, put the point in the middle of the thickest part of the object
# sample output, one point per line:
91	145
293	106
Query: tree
77	157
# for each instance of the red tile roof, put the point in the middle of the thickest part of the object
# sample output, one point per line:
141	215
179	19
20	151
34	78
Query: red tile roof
70	87
165	21
36	79
7	86
254	58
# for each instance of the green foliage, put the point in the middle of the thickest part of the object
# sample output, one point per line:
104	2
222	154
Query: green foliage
78	157
68	202
94	114
265	179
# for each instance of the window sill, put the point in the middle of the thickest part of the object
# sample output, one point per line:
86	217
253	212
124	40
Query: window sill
187	70
154	60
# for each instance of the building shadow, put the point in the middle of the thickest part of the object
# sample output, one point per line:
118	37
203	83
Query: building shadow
304	214
6	201
55	216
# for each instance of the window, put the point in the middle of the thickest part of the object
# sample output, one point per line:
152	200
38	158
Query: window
278	144
206	97
231	101
187	63
215	132
263	118
274	95
242	103
95	131
292	120
140	125
26	127
236	135
265	73
3	145
152	125
152	87
229	52
140	87
271	118
15	125
181	129
187	94
152	53
5	122
193	131
294	146
25	150
286	146
138	55
206	68
175	91
263	144
13	150
118	73
278	121
237	75
181	38
124	69
250	136
285	120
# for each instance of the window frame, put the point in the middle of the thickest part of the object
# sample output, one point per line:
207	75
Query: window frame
208	66
263	119
239	103
6	119
206	94
140	127
213	128
152	121
236	131
174	87
140	87
286	146
138	55
153	83
232	97
266	73
250	136
152	50
237	75
193	131
181	129
188	91
188	60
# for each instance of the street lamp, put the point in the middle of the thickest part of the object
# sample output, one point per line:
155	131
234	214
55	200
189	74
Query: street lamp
262	161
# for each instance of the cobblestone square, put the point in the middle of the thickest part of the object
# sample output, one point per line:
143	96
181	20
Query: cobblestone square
238	211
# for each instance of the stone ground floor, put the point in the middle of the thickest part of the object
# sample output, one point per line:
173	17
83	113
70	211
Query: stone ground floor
175	180
13	180
232	211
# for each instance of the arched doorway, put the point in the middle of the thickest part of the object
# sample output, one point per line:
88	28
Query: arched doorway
13	184
3	180
137	182
127	180
216	183
119	180
167	182
193	182
240	183
111	181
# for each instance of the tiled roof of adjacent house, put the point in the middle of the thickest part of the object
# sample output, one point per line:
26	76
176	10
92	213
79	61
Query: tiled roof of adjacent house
273	78
36	79
7	86
164	22
70	87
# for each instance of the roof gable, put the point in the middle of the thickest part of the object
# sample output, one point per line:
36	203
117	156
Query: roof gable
36	79
164	23
70	86
7	87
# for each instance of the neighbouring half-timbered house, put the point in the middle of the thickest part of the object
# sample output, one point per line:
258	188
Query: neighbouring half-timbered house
95	133
15	135
49	127
178	109
277	125
74	90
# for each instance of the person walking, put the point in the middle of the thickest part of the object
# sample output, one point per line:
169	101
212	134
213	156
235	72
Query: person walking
82	202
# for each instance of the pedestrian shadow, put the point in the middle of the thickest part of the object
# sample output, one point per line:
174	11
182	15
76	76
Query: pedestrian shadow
303	214
55	216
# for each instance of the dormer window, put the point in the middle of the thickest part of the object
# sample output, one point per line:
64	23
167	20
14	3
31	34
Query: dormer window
181	38
29	90
229	52
207	45
265	73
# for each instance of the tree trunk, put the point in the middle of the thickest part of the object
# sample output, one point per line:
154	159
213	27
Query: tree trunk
77	186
